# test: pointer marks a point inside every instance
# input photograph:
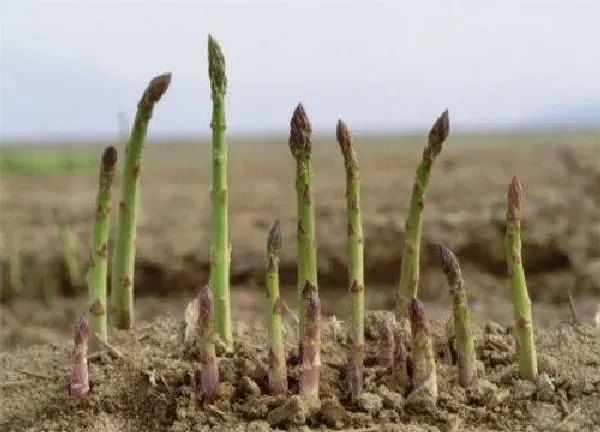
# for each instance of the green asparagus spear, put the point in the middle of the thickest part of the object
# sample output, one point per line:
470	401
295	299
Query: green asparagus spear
528	368
409	276
311	345
122	284
98	271
220	248
424	376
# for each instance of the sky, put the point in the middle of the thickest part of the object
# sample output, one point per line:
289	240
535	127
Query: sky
68	67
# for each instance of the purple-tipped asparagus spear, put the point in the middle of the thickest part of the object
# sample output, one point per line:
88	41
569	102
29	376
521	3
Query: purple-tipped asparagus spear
400	373
79	385
386	345
311	344
423	360
209	368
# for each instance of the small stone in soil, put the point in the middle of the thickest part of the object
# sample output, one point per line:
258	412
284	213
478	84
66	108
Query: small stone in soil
292	413
524	389
258	426
332	413
544	388
421	401
391	400
370	403
248	388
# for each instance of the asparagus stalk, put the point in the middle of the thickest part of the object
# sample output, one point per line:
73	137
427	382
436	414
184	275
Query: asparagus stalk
423	361
355	246
465	348
209	368
70	250
79	385
528	368
277	374
99	261
387	345
409	276
219	254
399	369
122	284
311	344
301	146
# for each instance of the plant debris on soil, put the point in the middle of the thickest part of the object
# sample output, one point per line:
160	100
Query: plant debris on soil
147	379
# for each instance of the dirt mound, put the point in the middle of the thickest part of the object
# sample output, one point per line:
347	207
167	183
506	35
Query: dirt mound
148	381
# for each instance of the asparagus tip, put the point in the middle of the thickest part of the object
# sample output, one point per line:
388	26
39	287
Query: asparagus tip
216	66
515	193
343	135
300	131
82	329
109	157
416	312
157	87
274	238
449	261
205	304
439	132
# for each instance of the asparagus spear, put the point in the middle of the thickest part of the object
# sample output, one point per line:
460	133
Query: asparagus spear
311	344
467	361
79	384
301	146
521	303
400	372
122	284
386	345
423	361
355	245
220	248
277	369
97	276
409	276
209	368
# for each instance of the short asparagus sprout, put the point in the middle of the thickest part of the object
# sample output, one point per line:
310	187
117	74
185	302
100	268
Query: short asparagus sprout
387	344
528	368
209	368
98	271
399	369
79	383
465	347
355	246
311	345
122	284
277	375
220	247
409	276
424	376
301	148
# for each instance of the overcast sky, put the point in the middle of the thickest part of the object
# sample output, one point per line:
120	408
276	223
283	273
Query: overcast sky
377	64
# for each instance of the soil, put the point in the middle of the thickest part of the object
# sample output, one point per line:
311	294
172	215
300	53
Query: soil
147	380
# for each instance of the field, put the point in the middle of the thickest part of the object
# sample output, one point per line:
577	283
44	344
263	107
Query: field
465	210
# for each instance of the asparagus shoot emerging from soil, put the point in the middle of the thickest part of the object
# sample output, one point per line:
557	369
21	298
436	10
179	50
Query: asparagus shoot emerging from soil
423	359
409	276
399	369
465	348
209	368
99	261
387	344
220	250
521	303
79	384
122	284
301	147
277	368
355	246
311	345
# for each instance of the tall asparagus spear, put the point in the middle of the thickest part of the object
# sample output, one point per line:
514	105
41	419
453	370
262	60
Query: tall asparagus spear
98	271
79	383
311	345
467	361
220	249
277	370
122	284
209	368
355	246
424	376
521	303
300	146
409	276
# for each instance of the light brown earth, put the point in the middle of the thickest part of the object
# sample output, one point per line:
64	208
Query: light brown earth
465	210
